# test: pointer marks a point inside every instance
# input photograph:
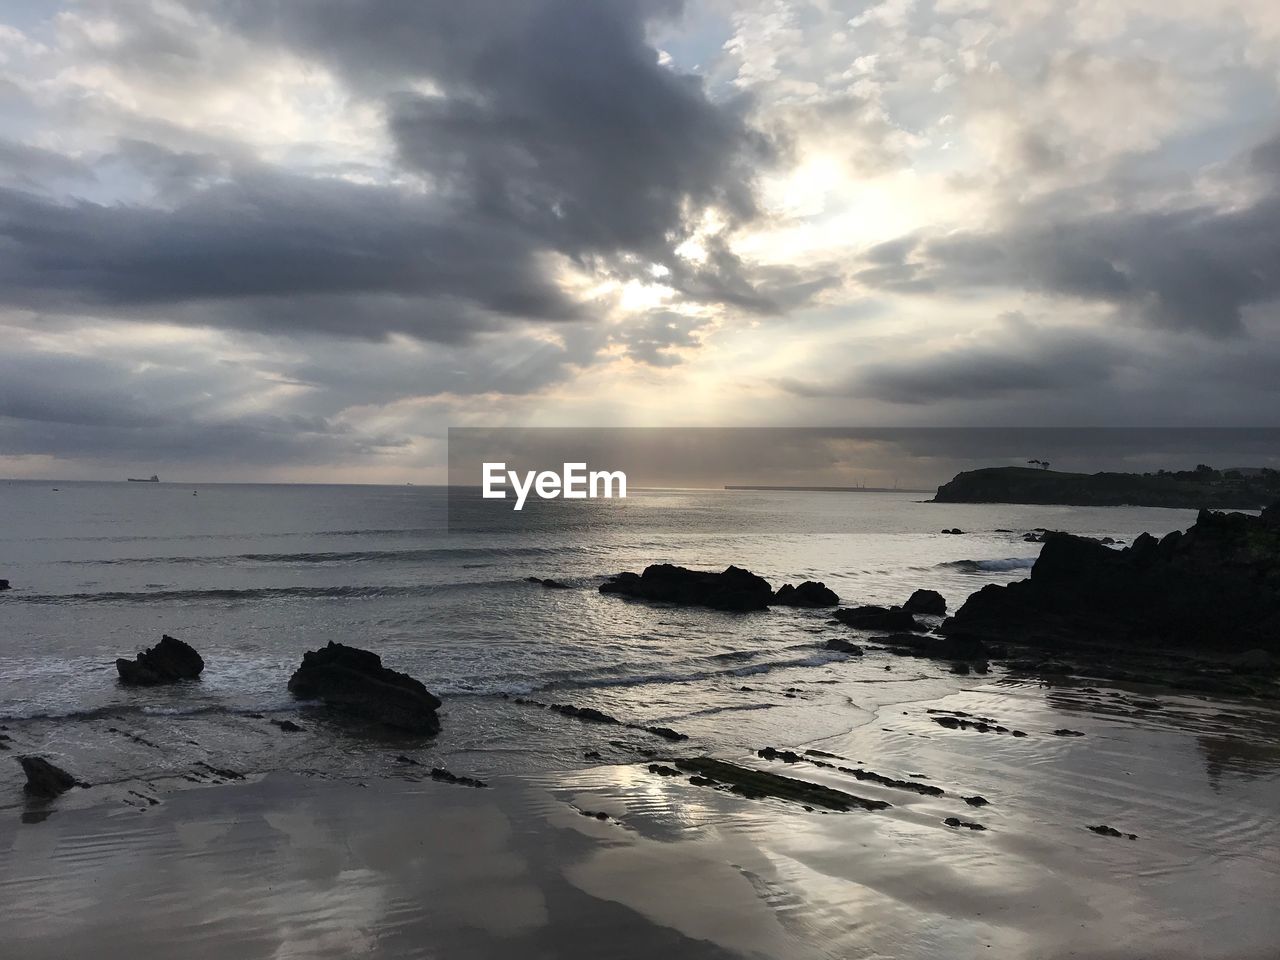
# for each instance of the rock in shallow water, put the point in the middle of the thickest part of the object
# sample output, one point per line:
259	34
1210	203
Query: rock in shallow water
44	779
354	681
1215	587
169	661
811	593
844	646
734	589
878	618
928	602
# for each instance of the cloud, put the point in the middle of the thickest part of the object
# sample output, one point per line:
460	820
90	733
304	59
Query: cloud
277	253
1015	357
1190	267
177	407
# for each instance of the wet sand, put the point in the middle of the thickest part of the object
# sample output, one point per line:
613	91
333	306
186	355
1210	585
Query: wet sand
286	866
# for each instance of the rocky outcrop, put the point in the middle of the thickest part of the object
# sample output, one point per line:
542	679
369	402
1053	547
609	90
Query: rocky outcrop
811	593
4	584
1213	588
734	589
878	618
44	779
355	682
927	602
1187	489
169	661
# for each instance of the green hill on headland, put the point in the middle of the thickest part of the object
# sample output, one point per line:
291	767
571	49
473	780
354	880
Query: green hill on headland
1203	487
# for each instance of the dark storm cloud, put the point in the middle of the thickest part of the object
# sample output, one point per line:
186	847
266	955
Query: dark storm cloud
26	166
277	253
1193	268
557	133
555	118
1019	358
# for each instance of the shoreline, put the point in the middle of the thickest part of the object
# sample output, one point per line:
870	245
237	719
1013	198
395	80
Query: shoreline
605	858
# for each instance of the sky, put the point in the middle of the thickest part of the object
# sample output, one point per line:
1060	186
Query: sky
298	241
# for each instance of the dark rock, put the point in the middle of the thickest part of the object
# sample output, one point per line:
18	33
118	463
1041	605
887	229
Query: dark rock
1214	588
786	756
548	583
878	618
928	602
4	585
844	646
975	801
960	667
809	594
44	779
663	771
953	531
734	589
444	776
222	772
407	761
592	715
355	681
756	784
957	822
1064	732
953	648
666	733
168	661
592	755
288	726
1103	830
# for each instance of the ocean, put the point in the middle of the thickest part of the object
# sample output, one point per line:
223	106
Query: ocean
255	575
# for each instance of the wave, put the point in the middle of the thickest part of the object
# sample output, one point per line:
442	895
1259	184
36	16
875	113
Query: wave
121	711
991	566
249	594
338	556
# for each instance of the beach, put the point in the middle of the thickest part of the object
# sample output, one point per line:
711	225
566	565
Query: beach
209	830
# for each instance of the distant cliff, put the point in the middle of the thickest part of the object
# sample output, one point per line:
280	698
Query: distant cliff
1203	487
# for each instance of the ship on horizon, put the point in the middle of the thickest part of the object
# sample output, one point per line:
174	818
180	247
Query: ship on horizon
151	479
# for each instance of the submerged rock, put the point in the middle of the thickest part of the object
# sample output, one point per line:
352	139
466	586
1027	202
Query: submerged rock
734	589
592	715
169	661
756	784
878	618
811	593
1215	587
928	602
957	822
548	583
1103	830
844	646
44	779
444	776
354	681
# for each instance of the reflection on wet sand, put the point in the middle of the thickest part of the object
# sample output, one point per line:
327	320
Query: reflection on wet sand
289	866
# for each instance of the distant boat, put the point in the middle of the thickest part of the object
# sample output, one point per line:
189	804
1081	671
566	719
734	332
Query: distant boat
151	479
